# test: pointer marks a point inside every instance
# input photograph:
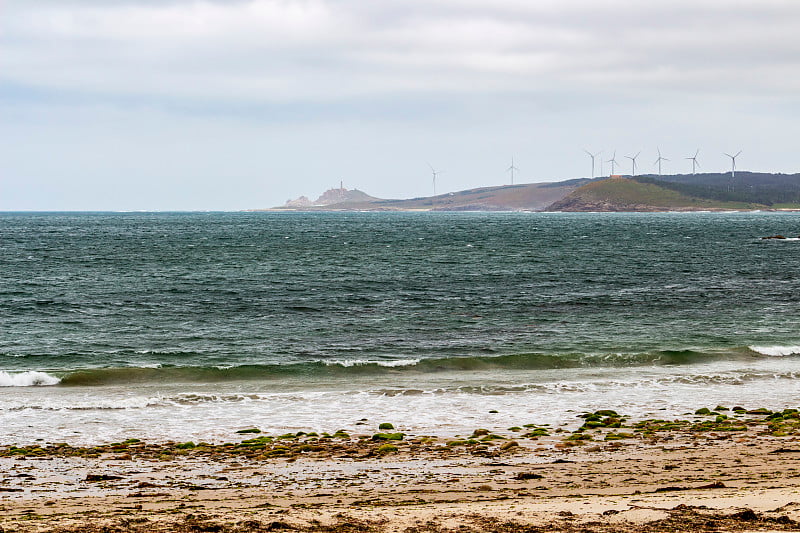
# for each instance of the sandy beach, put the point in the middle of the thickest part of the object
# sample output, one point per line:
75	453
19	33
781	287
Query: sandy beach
706	472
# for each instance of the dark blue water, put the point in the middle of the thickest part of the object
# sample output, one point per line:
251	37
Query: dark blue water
290	292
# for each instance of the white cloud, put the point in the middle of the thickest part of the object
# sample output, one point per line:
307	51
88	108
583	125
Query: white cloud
285	50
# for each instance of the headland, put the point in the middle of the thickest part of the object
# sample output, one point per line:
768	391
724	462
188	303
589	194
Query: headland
746	191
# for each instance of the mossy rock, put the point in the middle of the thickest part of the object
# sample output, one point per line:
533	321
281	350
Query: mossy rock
515	428
258	442
386	448
579	436
721	408
703	411
759	411
388	436
538	432
186	446
386	425
459	442
249	430
480	431
619	436
607	412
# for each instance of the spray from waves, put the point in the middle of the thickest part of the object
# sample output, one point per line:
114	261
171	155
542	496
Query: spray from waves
776	351
27	379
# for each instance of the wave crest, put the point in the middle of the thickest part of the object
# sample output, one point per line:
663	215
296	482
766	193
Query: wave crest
27	379
776	351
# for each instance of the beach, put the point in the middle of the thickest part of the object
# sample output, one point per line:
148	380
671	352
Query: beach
710	472
398	372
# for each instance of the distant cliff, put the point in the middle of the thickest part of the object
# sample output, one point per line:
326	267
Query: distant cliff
526	197
330	197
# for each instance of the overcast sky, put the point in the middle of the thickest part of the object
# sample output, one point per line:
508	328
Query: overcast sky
159	104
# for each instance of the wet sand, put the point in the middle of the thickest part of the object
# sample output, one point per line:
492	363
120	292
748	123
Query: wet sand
697	475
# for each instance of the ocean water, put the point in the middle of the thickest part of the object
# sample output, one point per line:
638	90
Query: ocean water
193	325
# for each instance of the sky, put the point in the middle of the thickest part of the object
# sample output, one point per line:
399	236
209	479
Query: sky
240	104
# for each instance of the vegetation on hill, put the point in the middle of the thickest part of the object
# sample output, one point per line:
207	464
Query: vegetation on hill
745	187
624	194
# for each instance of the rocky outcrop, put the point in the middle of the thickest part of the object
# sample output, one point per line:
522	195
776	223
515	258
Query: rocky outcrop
303	201
578	204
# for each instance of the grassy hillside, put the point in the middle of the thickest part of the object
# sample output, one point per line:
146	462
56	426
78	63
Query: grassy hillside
749	187
623	194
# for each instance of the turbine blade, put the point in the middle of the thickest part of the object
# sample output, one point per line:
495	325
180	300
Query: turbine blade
737	153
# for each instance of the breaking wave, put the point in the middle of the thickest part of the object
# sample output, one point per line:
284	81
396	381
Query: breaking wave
27	379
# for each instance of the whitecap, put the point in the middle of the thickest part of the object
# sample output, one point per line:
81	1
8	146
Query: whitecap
776	351
363	362
27	379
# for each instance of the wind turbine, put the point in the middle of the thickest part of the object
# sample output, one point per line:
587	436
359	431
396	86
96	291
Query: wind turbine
733	162
613	162
435	173
659	160
695	164
633	162
590	154
511	169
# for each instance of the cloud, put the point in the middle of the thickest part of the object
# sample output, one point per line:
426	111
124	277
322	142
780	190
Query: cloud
325	50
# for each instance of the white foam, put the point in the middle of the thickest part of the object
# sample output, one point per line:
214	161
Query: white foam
27	379
776	351
363	362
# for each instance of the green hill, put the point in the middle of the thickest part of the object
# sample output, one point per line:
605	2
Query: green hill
625	194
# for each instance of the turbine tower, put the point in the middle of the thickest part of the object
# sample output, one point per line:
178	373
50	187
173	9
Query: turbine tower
659	160
435	173
613	162
511	169
733	162
695	164
633	162
590	154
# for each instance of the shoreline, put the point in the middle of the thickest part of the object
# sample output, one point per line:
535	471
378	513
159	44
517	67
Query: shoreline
734	471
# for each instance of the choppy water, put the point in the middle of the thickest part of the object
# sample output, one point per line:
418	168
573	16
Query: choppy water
217	321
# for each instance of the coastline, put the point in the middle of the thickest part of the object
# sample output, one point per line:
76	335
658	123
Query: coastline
730	471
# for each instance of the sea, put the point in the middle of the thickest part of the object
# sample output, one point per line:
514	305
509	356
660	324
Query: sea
192	326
